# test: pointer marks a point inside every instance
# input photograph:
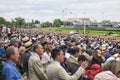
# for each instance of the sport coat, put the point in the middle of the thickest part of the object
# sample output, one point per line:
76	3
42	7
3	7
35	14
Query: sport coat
56	72
35	67
70	62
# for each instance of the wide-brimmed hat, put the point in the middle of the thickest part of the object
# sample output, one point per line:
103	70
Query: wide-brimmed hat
28	45
25	39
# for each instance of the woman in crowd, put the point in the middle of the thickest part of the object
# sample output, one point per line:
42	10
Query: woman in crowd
111	71
98	57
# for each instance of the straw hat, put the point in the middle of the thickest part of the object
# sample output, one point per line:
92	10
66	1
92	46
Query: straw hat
25	39
28	45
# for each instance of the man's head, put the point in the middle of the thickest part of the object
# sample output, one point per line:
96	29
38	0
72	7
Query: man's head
58	55
38	48
2	43
81	59
75	51
14	42
12	54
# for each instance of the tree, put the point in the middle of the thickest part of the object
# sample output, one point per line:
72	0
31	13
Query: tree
2	20
13	22
67	23
46	24
20	21
57	22
32	23
37	22
8	23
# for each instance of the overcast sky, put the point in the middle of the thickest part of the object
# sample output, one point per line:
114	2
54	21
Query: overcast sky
48	10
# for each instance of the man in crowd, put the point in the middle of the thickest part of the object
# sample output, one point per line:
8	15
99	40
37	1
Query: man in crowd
75	67
56	72
14	42
9	70
28	45
75	52
35	66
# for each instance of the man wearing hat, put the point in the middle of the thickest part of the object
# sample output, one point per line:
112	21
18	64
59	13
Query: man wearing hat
26	56
25	39
22	51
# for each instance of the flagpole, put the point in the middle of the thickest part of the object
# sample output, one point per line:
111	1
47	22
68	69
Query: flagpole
84	23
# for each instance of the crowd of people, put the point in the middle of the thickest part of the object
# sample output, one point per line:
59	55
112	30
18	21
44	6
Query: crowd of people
27	54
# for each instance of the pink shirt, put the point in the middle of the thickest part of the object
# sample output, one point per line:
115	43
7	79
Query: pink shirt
106	75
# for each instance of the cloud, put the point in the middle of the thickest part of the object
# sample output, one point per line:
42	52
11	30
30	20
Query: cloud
50	9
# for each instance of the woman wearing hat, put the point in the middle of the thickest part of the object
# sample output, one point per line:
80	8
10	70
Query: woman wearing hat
90	73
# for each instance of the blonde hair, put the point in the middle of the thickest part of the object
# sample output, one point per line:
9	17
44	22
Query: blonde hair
83	49
113	66
99	52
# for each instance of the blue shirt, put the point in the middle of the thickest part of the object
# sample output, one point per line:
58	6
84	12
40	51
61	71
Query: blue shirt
107	55
2	52
10	72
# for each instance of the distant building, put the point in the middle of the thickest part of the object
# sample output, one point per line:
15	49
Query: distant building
81	22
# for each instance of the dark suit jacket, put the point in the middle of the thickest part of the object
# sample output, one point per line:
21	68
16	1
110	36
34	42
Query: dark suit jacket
74	69
25	61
